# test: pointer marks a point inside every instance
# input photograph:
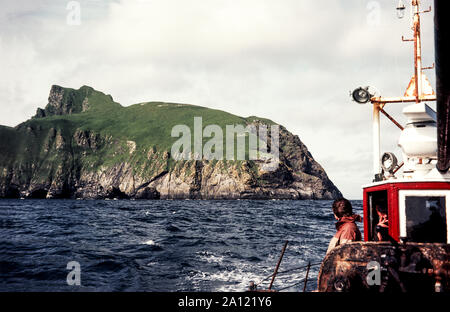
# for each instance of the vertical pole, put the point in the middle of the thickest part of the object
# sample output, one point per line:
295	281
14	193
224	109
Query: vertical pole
306	277
376	138
442	51
417	51
278	265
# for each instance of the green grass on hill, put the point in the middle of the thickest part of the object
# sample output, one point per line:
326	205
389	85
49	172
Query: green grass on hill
149	125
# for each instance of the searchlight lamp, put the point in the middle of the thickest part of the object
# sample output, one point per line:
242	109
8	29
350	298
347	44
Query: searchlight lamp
389	162
361	95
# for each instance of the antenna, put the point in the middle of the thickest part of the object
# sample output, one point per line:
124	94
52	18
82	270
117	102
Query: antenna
418	75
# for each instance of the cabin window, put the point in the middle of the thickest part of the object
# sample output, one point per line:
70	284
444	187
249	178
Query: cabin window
425	219
378	209
423	216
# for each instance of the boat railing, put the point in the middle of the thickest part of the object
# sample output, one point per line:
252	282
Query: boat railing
254	286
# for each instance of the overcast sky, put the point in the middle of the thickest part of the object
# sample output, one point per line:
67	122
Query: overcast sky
292	61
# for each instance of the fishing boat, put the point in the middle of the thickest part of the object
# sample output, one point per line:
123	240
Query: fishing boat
412	196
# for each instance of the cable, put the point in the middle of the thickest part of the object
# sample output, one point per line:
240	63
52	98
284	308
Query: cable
301	281
287	271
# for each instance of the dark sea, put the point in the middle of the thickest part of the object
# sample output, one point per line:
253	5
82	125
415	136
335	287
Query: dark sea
162	245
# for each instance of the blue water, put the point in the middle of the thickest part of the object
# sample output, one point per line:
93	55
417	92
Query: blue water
160	245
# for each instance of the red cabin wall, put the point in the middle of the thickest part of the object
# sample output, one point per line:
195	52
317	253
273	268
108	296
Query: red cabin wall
394	212
393	204
366	214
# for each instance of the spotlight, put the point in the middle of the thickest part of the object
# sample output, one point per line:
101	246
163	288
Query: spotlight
361	95
389	163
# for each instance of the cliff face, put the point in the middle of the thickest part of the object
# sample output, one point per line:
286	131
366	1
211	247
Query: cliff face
84	145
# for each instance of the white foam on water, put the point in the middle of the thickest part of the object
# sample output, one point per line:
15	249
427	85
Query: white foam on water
239	278
237	275
236	279
210	258
150	242
153	263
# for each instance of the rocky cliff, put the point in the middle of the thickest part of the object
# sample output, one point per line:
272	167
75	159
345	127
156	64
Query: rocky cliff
85	145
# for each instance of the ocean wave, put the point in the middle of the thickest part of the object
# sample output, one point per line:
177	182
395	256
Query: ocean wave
204	246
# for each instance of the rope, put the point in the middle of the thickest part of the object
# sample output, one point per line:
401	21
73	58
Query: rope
302	267
299	282
287	271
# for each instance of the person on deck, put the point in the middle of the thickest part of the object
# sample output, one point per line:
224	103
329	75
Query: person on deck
347	230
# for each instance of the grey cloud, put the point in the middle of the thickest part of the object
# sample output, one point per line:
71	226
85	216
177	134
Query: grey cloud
292	61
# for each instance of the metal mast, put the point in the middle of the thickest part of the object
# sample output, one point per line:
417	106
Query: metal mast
416	86
418	83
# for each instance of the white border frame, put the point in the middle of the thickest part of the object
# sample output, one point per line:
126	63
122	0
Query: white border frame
422	193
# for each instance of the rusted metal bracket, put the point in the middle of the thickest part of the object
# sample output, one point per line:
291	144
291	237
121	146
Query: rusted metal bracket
403	39
402	99
398	167
426	11
430	67
391	119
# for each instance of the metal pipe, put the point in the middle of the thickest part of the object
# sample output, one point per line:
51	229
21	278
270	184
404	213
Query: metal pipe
278	265
398	167
376	139
391	119
402	99
442	61
306	277
417	51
